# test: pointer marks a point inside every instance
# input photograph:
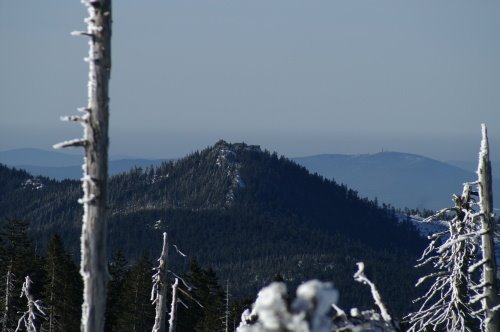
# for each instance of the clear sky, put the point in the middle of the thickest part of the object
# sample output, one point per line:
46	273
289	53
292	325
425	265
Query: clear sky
299	77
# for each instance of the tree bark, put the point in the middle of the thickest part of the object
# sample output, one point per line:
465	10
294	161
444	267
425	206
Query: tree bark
173	309
492	323
93	268
161	291
7	315
226	314
93	241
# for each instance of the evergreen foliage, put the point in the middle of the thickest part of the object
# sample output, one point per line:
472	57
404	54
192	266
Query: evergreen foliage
118	269
206	292
136	312
242	211
18	259
62	290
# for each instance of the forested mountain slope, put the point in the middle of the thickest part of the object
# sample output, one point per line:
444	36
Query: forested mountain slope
248	213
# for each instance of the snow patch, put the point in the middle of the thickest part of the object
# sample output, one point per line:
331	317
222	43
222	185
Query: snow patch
225	156
157	224
227	159
33	184
425	228
158	178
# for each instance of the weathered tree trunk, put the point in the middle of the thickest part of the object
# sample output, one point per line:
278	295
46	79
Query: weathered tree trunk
95	168
161	284
492	323
93	242
52	286
173	309
226	315
7	315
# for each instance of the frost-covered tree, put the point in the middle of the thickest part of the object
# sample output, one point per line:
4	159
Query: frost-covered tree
309	311
95	168
8	314
366	320
159	291
450	303
488	286
314	310
446	304
173	306
35	309
360	276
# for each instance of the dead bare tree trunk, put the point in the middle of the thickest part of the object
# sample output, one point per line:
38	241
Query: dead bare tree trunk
159	293
35	308
94	182
490	297
173	309
8	310
226	314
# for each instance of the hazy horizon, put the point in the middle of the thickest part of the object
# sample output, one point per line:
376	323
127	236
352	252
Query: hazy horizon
114	156
300	78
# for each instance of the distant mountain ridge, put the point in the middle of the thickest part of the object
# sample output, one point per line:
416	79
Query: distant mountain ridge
60	166
39	157
399	179
471	166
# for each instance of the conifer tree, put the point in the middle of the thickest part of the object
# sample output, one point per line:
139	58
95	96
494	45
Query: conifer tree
18	259
206	292
136	313
118	269
62	289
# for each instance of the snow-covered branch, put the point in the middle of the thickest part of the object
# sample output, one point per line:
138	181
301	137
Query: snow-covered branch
311	311
360	276
173	307
159	290
35	308
446	305
488	263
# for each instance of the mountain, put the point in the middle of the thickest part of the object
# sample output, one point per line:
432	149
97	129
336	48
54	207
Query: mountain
248	213
400	179
61	166
471	166
38	157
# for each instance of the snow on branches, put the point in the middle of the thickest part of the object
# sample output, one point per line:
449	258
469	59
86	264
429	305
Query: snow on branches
159	291
452	300
361	277
489	285
35	308
446	304
95	141
313	310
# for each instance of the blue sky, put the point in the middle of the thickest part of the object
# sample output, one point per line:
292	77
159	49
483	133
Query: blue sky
298	77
